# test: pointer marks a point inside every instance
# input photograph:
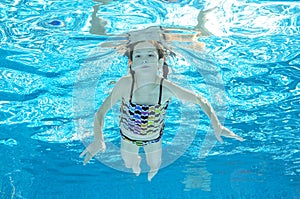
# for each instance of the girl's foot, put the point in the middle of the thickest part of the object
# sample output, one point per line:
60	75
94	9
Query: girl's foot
151	174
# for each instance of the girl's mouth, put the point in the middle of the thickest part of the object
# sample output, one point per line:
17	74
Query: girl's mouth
143	67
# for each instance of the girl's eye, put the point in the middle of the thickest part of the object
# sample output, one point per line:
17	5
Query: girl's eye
151	55
137	56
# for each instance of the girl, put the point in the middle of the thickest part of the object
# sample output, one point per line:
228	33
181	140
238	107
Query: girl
145	96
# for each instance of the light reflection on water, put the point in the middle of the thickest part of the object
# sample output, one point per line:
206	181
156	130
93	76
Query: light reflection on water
253	45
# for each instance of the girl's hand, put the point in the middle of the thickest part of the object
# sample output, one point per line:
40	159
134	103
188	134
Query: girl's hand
223	131
92	150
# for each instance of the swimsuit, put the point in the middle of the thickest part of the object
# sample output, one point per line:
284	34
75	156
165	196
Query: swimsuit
143	120
141	142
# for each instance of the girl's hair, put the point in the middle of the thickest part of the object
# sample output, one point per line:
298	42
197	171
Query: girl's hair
161	55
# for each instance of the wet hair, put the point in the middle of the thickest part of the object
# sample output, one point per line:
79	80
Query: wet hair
160	50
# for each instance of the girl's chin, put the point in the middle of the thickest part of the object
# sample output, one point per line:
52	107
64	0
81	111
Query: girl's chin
143	69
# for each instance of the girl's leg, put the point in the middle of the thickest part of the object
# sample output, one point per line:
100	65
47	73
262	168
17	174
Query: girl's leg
153	155
130	156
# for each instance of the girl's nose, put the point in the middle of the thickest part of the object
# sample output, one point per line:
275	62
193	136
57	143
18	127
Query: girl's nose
144	62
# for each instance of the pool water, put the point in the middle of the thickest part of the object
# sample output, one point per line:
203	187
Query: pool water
54	74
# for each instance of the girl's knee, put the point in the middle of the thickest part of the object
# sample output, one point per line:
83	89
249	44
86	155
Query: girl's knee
154	163
128	163
129	159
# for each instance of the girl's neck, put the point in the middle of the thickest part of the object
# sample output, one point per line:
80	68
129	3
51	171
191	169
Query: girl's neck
142	80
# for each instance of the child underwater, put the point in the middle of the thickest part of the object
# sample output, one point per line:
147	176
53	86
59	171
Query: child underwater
145	95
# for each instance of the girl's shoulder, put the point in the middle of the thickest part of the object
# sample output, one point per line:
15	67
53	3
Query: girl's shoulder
167	92
125	80
123	83
121	88
168	84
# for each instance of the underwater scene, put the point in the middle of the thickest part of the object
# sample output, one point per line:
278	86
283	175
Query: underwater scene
60	60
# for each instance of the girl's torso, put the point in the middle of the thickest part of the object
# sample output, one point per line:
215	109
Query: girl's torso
143	111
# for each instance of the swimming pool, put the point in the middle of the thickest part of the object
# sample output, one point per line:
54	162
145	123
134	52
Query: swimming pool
54	75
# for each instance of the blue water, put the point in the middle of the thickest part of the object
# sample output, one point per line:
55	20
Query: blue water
54	75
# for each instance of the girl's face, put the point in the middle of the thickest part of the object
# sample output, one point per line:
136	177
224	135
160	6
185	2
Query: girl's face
145	57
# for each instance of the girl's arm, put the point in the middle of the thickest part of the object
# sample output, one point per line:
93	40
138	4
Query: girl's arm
186	95
113	97
98	143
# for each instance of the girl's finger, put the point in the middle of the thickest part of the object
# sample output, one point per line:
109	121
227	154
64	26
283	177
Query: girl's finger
83	153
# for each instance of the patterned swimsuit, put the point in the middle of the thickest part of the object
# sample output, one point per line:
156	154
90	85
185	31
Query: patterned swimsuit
143	120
